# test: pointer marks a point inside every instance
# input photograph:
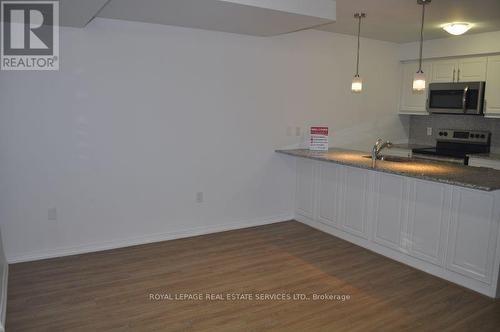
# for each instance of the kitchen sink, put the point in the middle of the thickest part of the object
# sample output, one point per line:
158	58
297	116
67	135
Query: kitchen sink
392	159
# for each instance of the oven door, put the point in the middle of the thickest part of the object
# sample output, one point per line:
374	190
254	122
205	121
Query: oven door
456	98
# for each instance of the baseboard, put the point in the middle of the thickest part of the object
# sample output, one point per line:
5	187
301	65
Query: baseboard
3	296
61	252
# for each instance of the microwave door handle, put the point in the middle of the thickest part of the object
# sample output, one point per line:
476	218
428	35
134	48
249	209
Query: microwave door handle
464	99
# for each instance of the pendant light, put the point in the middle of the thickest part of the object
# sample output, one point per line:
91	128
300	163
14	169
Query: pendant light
357	82
419	78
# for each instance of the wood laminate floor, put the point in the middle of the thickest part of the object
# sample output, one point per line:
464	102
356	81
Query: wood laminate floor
110	291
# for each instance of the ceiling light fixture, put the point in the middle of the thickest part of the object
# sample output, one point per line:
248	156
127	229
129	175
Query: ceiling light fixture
457	28
419	78
357	82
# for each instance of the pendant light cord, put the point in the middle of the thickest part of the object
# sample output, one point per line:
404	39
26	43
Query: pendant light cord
359	33
421	38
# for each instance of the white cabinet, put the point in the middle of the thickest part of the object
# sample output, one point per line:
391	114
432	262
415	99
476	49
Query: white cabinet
390	206
328	194
473	234
428	221
492	95
304	198
444	71
412	102
459	70
472	69
354	199
446	230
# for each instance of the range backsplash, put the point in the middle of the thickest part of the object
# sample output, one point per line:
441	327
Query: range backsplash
420	123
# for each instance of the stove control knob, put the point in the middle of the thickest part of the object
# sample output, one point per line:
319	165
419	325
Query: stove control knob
483	136
445	133
440	133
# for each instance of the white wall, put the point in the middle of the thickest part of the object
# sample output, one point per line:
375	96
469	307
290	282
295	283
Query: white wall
141	117
465	45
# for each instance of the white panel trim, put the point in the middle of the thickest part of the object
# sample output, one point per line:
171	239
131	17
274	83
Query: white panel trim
438	257
401	211
68	251
484	275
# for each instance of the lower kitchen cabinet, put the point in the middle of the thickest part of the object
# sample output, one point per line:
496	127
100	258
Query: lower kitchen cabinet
390	210
304	193
473	234
328	191
354	199
449	231
428	220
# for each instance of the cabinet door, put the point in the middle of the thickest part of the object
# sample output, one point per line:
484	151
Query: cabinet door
428	221
390	210
472	69
412	102
473	232
492	95
328	194
444	71
305	188
354	201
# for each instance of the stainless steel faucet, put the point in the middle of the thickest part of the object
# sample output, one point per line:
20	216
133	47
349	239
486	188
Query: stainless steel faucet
380	144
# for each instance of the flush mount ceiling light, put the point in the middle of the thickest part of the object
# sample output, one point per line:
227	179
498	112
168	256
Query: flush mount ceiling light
419	78
357	82
457	28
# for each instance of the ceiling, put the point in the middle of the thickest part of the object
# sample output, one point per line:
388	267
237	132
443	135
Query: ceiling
255	17
399	20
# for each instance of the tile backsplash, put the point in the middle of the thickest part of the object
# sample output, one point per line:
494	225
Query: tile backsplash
420	123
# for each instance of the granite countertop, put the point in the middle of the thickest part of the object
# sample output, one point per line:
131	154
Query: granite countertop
489	156
479	178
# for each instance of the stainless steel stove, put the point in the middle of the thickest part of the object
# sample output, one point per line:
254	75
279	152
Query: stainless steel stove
455	145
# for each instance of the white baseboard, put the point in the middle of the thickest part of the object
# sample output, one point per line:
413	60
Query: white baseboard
60	252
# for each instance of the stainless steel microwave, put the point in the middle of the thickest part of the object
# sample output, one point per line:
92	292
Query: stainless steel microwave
456	98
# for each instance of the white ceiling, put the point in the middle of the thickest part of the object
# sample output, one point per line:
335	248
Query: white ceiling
399	20
255	17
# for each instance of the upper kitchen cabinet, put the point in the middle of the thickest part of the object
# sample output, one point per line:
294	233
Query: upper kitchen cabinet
459	70
492	94
444	71
412	102
472	69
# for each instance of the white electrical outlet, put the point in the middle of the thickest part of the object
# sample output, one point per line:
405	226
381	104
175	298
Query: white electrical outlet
429	131
199	197
52	214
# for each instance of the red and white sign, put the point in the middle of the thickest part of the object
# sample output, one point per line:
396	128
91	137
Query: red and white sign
319	139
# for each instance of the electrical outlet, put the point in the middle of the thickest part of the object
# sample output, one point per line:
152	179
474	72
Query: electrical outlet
199	197
52	214
429	131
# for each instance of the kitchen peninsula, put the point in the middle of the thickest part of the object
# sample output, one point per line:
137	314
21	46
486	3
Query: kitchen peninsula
438	217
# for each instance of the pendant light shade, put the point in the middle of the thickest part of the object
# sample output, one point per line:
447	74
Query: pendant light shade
419	82
357	82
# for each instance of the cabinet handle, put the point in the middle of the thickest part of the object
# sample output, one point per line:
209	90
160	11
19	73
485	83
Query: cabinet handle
454	74
458	77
